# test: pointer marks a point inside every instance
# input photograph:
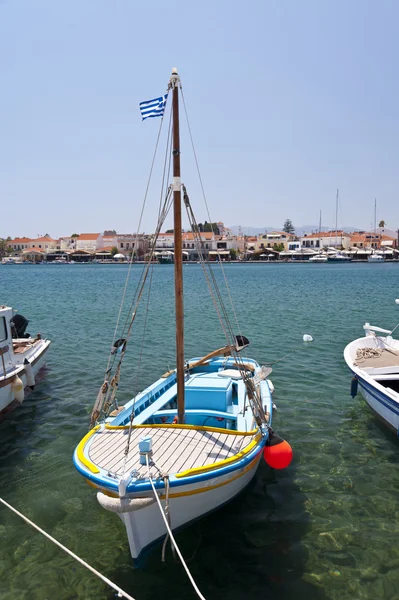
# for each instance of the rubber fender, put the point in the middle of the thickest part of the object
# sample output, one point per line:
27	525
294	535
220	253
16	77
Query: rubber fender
124	505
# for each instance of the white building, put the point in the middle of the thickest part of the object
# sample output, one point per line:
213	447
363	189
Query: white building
89	242
127	242
326	239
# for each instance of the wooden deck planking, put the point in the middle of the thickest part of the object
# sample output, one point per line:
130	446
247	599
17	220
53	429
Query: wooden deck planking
174	450
133	455
184	456
158	442
214	445
219	452
105	443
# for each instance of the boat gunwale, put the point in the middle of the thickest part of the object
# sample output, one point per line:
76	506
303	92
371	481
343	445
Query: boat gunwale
144	485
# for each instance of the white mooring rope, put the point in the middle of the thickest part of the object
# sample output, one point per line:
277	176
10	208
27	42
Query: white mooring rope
171	534
121	593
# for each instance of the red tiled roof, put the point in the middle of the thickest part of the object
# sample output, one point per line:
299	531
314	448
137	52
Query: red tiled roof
23	240
366	236
33	249
105	249
326	234
44	239
88	236
207	235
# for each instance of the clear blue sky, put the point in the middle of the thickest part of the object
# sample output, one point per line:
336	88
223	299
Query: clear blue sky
288	100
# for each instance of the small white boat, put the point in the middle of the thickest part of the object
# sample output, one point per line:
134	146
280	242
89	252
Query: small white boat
339	257
374	362
21	358
318	258
376	258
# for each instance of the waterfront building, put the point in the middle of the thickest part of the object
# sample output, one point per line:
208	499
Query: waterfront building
326	239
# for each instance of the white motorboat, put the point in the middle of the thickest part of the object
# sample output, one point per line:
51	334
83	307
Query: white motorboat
21	358
374	362
376	258
318	258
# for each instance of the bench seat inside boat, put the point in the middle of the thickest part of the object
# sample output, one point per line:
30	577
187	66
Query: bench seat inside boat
147	408
198	417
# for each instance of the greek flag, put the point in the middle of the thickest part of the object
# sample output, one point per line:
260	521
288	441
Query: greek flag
153	108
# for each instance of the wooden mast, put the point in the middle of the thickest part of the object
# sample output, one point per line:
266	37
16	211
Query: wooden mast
178	259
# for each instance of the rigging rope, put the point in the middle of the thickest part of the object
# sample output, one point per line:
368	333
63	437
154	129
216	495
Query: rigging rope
207	206
363	353
138	229
253	392
169	530
253	396
121	593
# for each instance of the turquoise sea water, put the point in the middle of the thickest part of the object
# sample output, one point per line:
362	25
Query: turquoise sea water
327	527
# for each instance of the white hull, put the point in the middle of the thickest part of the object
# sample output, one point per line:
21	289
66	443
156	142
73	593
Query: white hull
37	360
146	526
382	399
384	405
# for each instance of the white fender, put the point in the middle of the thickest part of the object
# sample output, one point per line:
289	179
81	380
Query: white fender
123	505
17	388
30	378
271	386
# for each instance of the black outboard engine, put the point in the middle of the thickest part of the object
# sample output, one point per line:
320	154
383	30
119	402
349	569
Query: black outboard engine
18	327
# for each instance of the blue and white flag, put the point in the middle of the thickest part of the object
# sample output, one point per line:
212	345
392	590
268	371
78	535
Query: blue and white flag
153	108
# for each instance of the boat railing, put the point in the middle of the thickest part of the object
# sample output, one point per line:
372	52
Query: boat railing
368	328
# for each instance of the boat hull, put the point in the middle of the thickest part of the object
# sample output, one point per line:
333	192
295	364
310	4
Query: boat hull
381	404
7	399
383	401
145	527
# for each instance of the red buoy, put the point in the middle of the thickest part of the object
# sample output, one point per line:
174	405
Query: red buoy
277	452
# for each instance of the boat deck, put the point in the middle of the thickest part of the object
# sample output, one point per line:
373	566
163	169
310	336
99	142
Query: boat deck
386	358
175	449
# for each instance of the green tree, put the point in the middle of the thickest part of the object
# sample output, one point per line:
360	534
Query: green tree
288	226
278	247
381	223
114	250
4	247
170	231
233	254
75	235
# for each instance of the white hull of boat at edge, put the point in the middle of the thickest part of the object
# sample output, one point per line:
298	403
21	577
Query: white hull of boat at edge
384	402
6	393
146	526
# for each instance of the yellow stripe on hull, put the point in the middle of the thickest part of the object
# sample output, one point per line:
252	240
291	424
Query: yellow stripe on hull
80	451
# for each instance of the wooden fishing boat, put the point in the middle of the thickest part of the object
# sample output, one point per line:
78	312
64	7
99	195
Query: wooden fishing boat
21	358
194	437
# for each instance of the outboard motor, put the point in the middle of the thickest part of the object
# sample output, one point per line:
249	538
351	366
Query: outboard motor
18	327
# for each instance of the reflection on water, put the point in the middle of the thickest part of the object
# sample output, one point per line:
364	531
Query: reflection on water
324	528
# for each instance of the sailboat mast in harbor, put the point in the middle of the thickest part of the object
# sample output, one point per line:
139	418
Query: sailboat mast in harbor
178	249
336	219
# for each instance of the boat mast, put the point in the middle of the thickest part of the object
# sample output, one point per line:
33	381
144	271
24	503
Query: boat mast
336	219
178	248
